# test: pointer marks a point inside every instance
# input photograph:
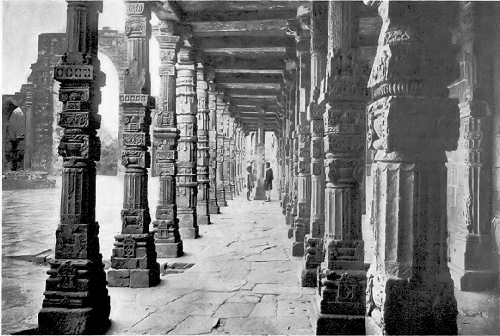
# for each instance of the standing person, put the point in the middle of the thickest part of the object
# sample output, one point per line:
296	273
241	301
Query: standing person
268	181
250	182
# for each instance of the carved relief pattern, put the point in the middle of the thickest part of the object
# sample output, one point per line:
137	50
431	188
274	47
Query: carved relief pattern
411	123
212	151
134	247
76	279
221	118
165	135
186	111
203	154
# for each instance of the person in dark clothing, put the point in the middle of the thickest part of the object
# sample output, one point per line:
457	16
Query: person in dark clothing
250	182
268	181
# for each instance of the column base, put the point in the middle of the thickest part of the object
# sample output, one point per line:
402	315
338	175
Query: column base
309	277
473	280
260	194
203	220
298	249
202	214
189	232
188	225
134	278
213	207
169	250
76	298
74	321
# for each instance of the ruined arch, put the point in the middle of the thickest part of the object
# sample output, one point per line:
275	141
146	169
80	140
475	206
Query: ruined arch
36	97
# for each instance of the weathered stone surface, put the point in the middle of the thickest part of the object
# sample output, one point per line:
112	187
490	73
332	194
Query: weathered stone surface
195	325
234	309
135	249
165	134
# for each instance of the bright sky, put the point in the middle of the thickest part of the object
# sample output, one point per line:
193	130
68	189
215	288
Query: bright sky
24	20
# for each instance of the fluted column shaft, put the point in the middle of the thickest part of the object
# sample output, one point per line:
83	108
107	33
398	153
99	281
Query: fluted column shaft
411	125
165	135
133	259
76	287
202	209
260	156
212	140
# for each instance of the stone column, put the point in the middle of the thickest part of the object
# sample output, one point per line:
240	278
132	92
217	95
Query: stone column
220	105
232	150
133	260
186	110
227	153
212	140
202	208
165	134
260	155
302	218
340	301
313	241
76	299
290	205
469	167
411	125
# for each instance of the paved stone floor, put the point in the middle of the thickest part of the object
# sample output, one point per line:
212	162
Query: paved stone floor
243	281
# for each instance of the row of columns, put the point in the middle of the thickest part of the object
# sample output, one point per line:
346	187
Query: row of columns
336	113
199	156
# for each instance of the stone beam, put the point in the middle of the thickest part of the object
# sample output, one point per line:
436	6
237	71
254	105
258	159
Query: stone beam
232	62
240	28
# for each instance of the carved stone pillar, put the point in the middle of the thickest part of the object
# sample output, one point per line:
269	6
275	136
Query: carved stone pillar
165	134
212	140
186	110
469	167
133	260
314	240
260	155
220	105
228	178
302	219
76	299
411	125
291	102
202	209
341	301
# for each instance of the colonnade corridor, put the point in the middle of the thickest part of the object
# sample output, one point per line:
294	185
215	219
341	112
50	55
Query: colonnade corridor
375	118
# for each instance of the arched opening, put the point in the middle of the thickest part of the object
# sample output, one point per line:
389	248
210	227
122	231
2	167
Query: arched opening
109	112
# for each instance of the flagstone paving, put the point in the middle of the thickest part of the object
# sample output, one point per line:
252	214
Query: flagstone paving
243	281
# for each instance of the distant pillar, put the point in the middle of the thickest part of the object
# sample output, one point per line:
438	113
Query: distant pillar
314	240
302	218
260	155
76	299
186	110
133	260
411	123
202	205
213	204
227	153
220	105
165	134
472	256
